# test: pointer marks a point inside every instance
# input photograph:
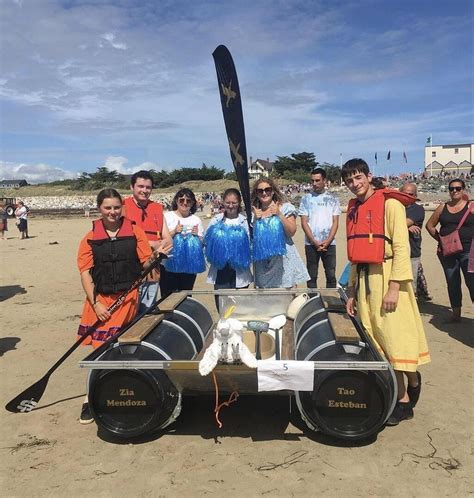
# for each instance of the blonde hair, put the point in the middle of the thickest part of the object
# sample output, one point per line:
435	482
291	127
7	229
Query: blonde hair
277	195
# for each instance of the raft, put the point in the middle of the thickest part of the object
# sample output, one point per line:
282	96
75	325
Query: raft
137	380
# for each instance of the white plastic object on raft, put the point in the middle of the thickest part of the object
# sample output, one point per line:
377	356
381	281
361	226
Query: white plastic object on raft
295	305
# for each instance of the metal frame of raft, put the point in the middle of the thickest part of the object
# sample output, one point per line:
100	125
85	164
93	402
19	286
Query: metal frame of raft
343	355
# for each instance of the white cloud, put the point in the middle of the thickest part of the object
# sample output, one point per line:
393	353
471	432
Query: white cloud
125	79
110	37
33	173
118	163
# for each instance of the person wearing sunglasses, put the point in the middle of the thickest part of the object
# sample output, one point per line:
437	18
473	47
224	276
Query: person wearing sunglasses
277	261
228	246
456	214
187	258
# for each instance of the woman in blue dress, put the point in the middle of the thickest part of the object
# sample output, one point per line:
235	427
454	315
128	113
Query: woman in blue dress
277	261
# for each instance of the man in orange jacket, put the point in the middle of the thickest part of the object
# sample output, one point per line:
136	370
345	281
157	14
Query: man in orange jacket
148	215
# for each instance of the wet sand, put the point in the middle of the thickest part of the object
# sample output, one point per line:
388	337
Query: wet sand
261	450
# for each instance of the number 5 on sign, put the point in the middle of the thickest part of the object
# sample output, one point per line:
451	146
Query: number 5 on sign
282	375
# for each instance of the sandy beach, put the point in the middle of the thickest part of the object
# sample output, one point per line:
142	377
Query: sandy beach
261	450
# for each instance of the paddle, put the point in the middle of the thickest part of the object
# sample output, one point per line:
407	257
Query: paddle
231	103
28	399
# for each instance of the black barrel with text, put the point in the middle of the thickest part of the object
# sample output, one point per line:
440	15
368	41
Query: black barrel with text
128	403
348	404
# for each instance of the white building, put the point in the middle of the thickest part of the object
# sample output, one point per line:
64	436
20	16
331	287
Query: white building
259	168
454	159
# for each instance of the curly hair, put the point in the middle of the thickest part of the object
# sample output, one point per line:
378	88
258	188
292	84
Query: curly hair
276	197
184	192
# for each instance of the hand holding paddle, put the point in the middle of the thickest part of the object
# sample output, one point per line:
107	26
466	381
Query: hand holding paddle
28	399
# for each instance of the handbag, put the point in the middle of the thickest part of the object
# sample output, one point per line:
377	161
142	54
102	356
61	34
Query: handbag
451	243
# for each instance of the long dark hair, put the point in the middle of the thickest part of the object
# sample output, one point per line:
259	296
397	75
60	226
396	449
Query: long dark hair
184	192
108	193
236	192
276	197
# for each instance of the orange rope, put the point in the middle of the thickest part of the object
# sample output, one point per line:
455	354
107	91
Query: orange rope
232	398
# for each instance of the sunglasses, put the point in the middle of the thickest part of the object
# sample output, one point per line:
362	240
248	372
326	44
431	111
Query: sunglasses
267	191
185	200
455	189
231	204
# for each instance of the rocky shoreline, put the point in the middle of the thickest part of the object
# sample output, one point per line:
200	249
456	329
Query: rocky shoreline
78	204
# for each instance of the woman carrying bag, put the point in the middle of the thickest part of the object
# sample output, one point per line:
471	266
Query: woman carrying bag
456	220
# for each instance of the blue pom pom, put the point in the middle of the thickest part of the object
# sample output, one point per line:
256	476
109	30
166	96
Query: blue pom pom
216	245
177	261
195	262
228	244
268	238
239	248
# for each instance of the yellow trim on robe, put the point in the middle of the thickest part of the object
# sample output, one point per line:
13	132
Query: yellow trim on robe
399	334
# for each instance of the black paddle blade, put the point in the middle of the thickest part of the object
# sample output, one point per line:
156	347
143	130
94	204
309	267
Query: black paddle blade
231	103
28	399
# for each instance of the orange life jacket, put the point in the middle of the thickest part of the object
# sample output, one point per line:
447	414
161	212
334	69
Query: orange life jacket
365	226
149	219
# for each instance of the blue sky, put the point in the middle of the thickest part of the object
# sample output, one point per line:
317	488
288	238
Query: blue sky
131	84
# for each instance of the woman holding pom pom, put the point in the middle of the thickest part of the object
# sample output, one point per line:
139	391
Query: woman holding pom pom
187	257
228	246
277	261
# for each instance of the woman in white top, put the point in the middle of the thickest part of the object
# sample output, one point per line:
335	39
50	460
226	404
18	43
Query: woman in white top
228	246
21	215
187	257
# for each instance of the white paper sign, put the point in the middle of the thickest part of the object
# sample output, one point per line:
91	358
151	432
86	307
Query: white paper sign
291	374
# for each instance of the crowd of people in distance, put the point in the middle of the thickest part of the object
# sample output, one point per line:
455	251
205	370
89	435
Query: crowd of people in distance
383	228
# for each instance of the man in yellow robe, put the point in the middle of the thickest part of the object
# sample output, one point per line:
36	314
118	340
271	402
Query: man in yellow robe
382	295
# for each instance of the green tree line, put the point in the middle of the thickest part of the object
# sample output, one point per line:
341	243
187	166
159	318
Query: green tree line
295	168
104	177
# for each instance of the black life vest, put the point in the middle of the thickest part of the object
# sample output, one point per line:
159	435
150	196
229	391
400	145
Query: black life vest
116	263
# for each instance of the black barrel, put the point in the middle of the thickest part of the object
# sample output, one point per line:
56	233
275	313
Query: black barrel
129	403
348	404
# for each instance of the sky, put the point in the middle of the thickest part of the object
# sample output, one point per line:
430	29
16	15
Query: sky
131	84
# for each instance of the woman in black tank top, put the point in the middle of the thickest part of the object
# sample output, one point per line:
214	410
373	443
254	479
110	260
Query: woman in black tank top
449	216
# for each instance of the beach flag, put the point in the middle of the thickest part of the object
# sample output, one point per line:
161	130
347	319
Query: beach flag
376	158
405	156
388	156
428	141
231	103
